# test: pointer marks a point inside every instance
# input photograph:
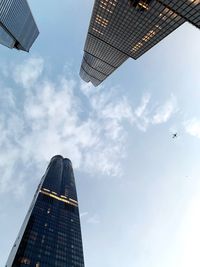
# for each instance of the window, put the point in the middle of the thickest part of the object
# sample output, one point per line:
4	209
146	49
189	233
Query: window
25	261
141	5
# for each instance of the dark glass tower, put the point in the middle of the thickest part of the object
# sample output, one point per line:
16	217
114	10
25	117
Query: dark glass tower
17	26
51	235
120	29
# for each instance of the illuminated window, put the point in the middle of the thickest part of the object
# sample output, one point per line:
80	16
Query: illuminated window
108	5
46	189
25	261
141	5
195	2
94	29
168	13
101	21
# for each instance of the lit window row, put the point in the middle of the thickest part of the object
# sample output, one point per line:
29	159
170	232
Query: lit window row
101	21
94	29
137	47
61	198
168	14
108	5
108	2
195	2
143	5
146	38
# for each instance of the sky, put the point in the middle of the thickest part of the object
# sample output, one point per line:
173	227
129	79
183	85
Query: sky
138	188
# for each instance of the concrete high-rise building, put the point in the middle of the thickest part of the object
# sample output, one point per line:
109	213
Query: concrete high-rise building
120	29
51	234
17	25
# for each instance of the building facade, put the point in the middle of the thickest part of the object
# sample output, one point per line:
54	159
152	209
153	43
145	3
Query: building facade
17	25
120	29
51	234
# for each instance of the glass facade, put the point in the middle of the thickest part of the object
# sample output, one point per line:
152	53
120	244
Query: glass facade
51	234
17	24
120	29
6	39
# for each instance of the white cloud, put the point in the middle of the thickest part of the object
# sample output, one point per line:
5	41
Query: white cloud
28	72
141	110
51	119
146	115
192	127
91	219
163	113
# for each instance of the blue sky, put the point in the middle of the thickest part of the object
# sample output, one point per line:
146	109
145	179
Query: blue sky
138	188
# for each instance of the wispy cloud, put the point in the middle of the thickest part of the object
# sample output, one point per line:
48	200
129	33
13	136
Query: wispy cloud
62	116
147	115
164	112
50	119
91	219
192	127
28	72
141	110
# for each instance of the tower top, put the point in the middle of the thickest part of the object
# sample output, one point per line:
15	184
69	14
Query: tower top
61	157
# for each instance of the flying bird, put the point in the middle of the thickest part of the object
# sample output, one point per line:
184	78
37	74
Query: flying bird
174	135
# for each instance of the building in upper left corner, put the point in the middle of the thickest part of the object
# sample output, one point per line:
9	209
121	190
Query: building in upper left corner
18	28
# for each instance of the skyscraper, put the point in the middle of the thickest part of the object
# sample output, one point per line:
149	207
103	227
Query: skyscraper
17	26
51	235
120	29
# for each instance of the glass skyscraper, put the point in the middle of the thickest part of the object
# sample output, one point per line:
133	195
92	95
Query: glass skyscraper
51	234
120	29
17	26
